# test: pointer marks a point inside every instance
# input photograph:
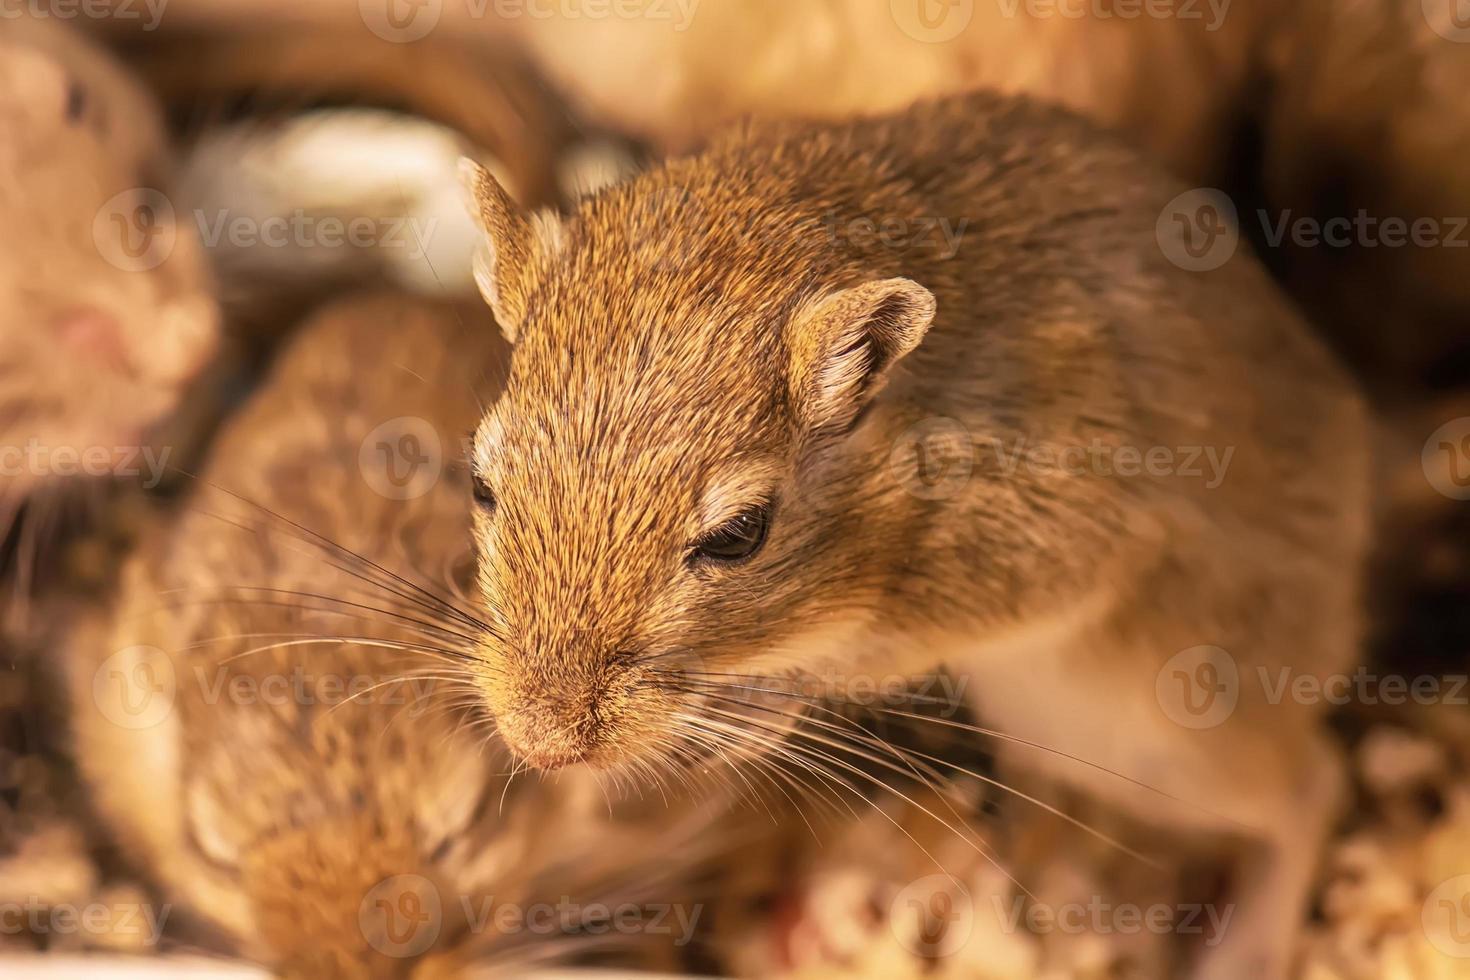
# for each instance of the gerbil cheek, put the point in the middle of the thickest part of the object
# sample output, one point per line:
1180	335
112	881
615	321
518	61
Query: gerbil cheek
32	80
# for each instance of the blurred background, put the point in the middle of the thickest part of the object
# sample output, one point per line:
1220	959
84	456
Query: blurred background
196	176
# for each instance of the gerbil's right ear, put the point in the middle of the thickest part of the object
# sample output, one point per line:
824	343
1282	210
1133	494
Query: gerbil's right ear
843	344
503	267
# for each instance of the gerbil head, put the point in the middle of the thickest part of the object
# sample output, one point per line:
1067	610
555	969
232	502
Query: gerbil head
338	843
682	477
105	310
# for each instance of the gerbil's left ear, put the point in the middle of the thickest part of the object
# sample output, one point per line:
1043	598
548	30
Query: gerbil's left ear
503	268
843	344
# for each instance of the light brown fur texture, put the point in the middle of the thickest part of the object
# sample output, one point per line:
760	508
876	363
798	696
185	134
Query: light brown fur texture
672	72
726	330
280	819
105	303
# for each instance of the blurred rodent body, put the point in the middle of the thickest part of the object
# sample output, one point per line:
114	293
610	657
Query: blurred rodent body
672	72
285	788
1312	108
704	465
106	310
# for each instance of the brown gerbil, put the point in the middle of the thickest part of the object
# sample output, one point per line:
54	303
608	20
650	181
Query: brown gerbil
269	723
105	306
765	417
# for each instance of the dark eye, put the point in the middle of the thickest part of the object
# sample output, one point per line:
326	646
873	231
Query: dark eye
76	102
484	496
737	539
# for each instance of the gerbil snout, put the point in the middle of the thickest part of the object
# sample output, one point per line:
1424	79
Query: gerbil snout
552	717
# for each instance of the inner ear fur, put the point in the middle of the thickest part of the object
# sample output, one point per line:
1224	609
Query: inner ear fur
844	343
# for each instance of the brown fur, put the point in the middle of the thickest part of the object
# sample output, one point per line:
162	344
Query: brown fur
667	338
275	821
91	354
1175	83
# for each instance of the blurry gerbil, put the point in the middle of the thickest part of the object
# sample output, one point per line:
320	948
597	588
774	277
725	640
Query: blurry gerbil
672	71
763	417
105	307
297	792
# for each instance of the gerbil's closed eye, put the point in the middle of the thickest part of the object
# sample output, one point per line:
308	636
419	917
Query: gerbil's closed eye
484	496
736	540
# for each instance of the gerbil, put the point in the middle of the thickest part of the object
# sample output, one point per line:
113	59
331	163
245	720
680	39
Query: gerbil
716	454
105	306
278	784
672	71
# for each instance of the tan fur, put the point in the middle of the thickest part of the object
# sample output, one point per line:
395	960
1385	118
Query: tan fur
1173	84
275	821
674	71
664	344
91	352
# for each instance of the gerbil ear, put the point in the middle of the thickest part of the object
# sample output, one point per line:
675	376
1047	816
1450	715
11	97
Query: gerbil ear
503	267
843	344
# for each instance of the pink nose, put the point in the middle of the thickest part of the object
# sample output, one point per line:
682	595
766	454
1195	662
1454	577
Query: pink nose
95	335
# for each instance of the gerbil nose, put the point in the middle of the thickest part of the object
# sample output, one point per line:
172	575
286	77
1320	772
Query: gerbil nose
541	742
